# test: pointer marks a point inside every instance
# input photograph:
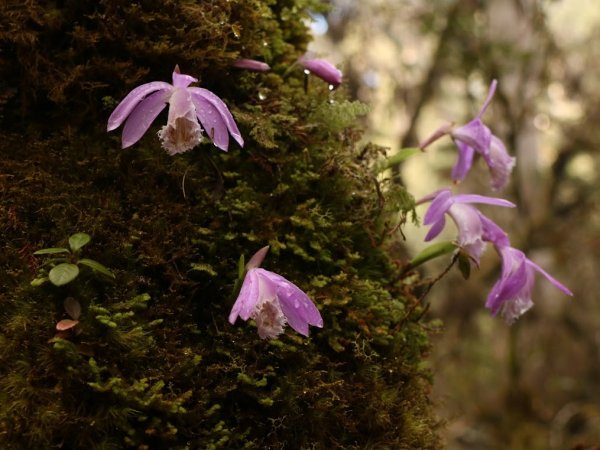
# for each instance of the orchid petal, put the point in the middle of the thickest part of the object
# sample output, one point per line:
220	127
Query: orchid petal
500	164
439	206
436	229
474	134
202	98
182	80
550	278
474	198
430	197
488	100
493	233
143	115
247	298
251	64
212	122
323	69
132	99
464	162
515	282
257	259
299	310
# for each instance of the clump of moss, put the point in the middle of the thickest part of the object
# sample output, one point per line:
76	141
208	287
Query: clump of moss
154	363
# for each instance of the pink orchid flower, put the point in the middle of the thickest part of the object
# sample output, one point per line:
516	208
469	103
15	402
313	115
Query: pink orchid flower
511	295
473	227
192	110
272	302
323	69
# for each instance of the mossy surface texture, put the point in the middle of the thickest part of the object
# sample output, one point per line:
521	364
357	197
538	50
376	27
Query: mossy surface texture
155	363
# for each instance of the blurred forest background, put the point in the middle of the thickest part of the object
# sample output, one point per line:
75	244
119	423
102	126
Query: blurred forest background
421	63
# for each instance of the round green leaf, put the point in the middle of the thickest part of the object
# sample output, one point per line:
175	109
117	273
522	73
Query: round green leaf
63	273
78	240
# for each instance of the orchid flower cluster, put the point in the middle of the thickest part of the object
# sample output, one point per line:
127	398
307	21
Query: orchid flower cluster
269	299
511	295
195	114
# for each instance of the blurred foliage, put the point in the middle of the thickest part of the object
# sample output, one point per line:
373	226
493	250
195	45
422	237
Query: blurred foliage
153	362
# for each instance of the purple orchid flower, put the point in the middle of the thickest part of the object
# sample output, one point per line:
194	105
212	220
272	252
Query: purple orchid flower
252	65
323	69
188	108
475	134
272	301
474	137
511	295
473	227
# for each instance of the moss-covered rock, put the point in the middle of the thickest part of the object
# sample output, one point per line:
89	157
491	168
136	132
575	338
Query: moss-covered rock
153	362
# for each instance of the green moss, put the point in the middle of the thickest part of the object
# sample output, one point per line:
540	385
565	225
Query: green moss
154	362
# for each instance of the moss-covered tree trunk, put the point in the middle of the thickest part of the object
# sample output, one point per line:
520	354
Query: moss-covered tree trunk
153	362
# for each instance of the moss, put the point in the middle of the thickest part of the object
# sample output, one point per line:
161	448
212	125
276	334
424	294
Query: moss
154	363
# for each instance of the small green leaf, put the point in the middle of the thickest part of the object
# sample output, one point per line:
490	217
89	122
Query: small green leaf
78	240
202	267
399	157
96	266
38	281
51	251
63	273
433	251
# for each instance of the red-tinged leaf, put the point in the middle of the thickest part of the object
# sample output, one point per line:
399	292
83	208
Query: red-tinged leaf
66	324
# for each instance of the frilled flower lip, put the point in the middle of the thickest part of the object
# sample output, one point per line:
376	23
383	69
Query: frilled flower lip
500	164
297	307
512	292
143	104
323	69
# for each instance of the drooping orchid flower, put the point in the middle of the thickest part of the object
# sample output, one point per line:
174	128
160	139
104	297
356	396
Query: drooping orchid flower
473	227
191	110
511	295
272	302
323	69
251	64
476	137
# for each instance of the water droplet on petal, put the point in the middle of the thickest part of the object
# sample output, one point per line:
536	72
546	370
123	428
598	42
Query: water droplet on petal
331	87
306	72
